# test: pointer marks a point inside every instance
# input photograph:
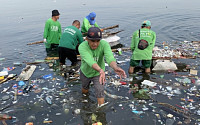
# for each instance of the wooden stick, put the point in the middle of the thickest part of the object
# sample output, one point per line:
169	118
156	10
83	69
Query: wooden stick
110	27
109	34
38	42
123	49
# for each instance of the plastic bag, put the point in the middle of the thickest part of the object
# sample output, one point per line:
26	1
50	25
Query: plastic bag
164	65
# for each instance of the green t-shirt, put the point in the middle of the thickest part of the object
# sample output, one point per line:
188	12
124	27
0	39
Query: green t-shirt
52	32
147	35
86	25
71	37
90	57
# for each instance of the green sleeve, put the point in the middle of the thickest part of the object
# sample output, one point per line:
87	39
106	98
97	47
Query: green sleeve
86	55
154	39
86	24
80	37
60	31
46	29
96	25
133	41
108	53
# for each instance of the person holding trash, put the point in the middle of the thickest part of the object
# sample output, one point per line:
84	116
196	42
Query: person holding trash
92	52
52	32
88	22
142	45
70	38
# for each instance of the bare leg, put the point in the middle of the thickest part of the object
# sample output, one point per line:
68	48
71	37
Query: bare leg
131	70
147	70
85	91
100	101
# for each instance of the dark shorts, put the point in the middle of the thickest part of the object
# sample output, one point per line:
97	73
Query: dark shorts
99	88
67	53
145	63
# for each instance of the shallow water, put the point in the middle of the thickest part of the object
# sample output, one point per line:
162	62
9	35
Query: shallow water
23	22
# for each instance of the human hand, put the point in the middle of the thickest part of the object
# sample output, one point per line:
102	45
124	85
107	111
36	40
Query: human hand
45	40
102	77
120	72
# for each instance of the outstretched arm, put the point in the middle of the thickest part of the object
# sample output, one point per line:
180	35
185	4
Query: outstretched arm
117	69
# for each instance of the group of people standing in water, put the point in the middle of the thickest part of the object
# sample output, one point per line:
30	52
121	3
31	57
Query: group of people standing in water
94	50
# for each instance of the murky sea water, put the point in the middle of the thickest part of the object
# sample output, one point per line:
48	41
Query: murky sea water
22	22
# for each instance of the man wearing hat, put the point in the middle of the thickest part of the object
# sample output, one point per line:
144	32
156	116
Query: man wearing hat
142	45
88	22
92	52
52	32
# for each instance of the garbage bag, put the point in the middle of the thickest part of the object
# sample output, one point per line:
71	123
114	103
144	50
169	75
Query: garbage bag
164	65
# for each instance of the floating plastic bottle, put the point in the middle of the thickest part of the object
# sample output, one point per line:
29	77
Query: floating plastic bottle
48	99
47	76
119	51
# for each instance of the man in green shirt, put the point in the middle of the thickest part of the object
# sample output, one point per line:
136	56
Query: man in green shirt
144	55
88	22
70	38
92	52
52	32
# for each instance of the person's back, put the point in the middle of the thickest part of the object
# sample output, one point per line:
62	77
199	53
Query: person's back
149	36
70	37
69	41
142	45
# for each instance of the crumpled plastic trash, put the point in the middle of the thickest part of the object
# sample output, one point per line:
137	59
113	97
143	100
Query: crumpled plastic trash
164	65
149	83
137	112
47	76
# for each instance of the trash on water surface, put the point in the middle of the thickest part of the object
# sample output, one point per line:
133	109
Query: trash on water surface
17	63
45	122
8	69
164	65
193	72
97	123
48	99
137	112
29	123
21	83
149	83
3	73
77	111
47	76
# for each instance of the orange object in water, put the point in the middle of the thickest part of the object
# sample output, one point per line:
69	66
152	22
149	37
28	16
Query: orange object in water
29	123
98	123
47	121
189	100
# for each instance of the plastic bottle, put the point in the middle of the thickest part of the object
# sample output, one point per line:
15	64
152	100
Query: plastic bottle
47	76
119	51
5	117
165	45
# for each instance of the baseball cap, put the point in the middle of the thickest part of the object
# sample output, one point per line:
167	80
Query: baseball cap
146	23
94	33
